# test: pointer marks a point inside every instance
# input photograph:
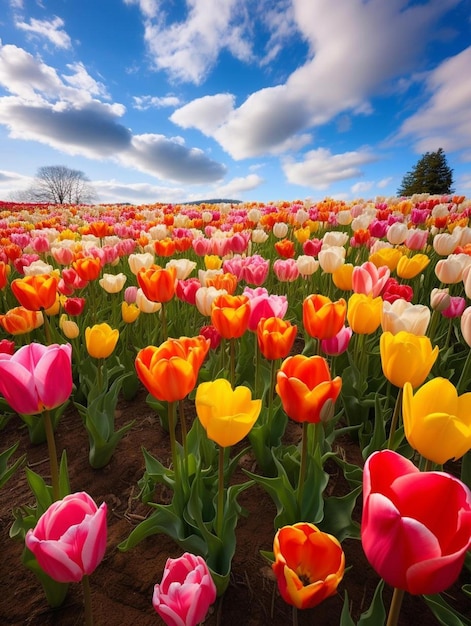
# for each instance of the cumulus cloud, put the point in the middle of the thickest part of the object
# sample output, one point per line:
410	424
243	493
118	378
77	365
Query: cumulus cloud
52	30
237	186
444	120
112	191
142	103
66	113
379	41
320	168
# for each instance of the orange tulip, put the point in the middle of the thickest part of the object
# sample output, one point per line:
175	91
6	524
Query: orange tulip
306	388
226	281
275	337
285	248
99	229
322	318
309	564
169	372
342	277
88	268
4	273
19	320
36	292
164	247
157	283
230	315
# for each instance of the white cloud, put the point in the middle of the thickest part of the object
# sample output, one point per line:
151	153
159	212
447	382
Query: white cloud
320	168
362	187
61	112
142	103
384	182
12	182
206	113
52	30
237	186
444	121
379	41
148	8
112	191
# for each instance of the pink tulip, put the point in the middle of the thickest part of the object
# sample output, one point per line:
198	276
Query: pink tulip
338	344
186	591
36	377
406	541
255	270
69	540
455	308
262	304
201	246
186	290
369	279
286	270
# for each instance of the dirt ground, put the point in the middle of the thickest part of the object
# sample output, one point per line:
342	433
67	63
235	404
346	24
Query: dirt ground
123	583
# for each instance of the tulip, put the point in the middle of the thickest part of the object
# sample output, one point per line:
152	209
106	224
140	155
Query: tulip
410	267
4	273
445	243
37	268
226	414
406	358
183	267
259	235
112	283
170	371
36	377
416	239
389	257
264	305
408	544
397	233
322	318
440	299
309	564
437	422
212	262
157	283
129	312
186	591
451	269
307	265
226	281
395	291
275	337
306	388
230	315
101	340
204	298
145	305
342	277
402	315
165	247
280	230
209	332
455	308
18	321
138	262
331	258
369	279
69	540
465	325
87	268
74	306
69	327
286	270
285	248
364	313
36	292
334	238
338	344
7	346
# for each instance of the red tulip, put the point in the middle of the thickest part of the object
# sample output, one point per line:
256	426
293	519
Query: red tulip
416	526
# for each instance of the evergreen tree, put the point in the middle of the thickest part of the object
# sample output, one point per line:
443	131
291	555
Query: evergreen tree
431	175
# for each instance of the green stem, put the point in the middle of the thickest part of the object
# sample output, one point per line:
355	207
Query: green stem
465	375
87	601
173	441
163	319
47	328
302	466
257	362
232	362
395	418
395	608
427	465
432	329
51	446
295	616
220	505
271	389
184	431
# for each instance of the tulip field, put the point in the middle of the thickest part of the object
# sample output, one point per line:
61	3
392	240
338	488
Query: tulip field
239	413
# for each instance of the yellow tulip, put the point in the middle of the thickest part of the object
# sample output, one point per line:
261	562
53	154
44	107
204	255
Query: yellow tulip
101	340
406	358
437	422
226	414
129	312
409	267
386	256
364	313
342	277
212	262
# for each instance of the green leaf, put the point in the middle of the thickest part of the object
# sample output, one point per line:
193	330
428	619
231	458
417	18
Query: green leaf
6	472
376	614
445	614
338	516
345	618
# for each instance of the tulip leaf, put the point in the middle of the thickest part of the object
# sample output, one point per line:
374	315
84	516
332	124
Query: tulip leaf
376	614
445	614
6	472
377	438
55	592
466	469
345	617
338	516
466	589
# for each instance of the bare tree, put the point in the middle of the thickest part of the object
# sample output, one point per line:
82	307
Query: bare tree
58	184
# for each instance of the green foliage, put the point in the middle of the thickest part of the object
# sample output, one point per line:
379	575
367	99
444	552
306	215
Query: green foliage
431	174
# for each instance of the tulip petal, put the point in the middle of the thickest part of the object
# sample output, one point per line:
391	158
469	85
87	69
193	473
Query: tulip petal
54	560
18	387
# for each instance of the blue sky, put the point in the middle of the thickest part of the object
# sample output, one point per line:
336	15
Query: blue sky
175	101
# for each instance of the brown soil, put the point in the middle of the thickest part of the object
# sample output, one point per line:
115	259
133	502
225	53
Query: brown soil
123	583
